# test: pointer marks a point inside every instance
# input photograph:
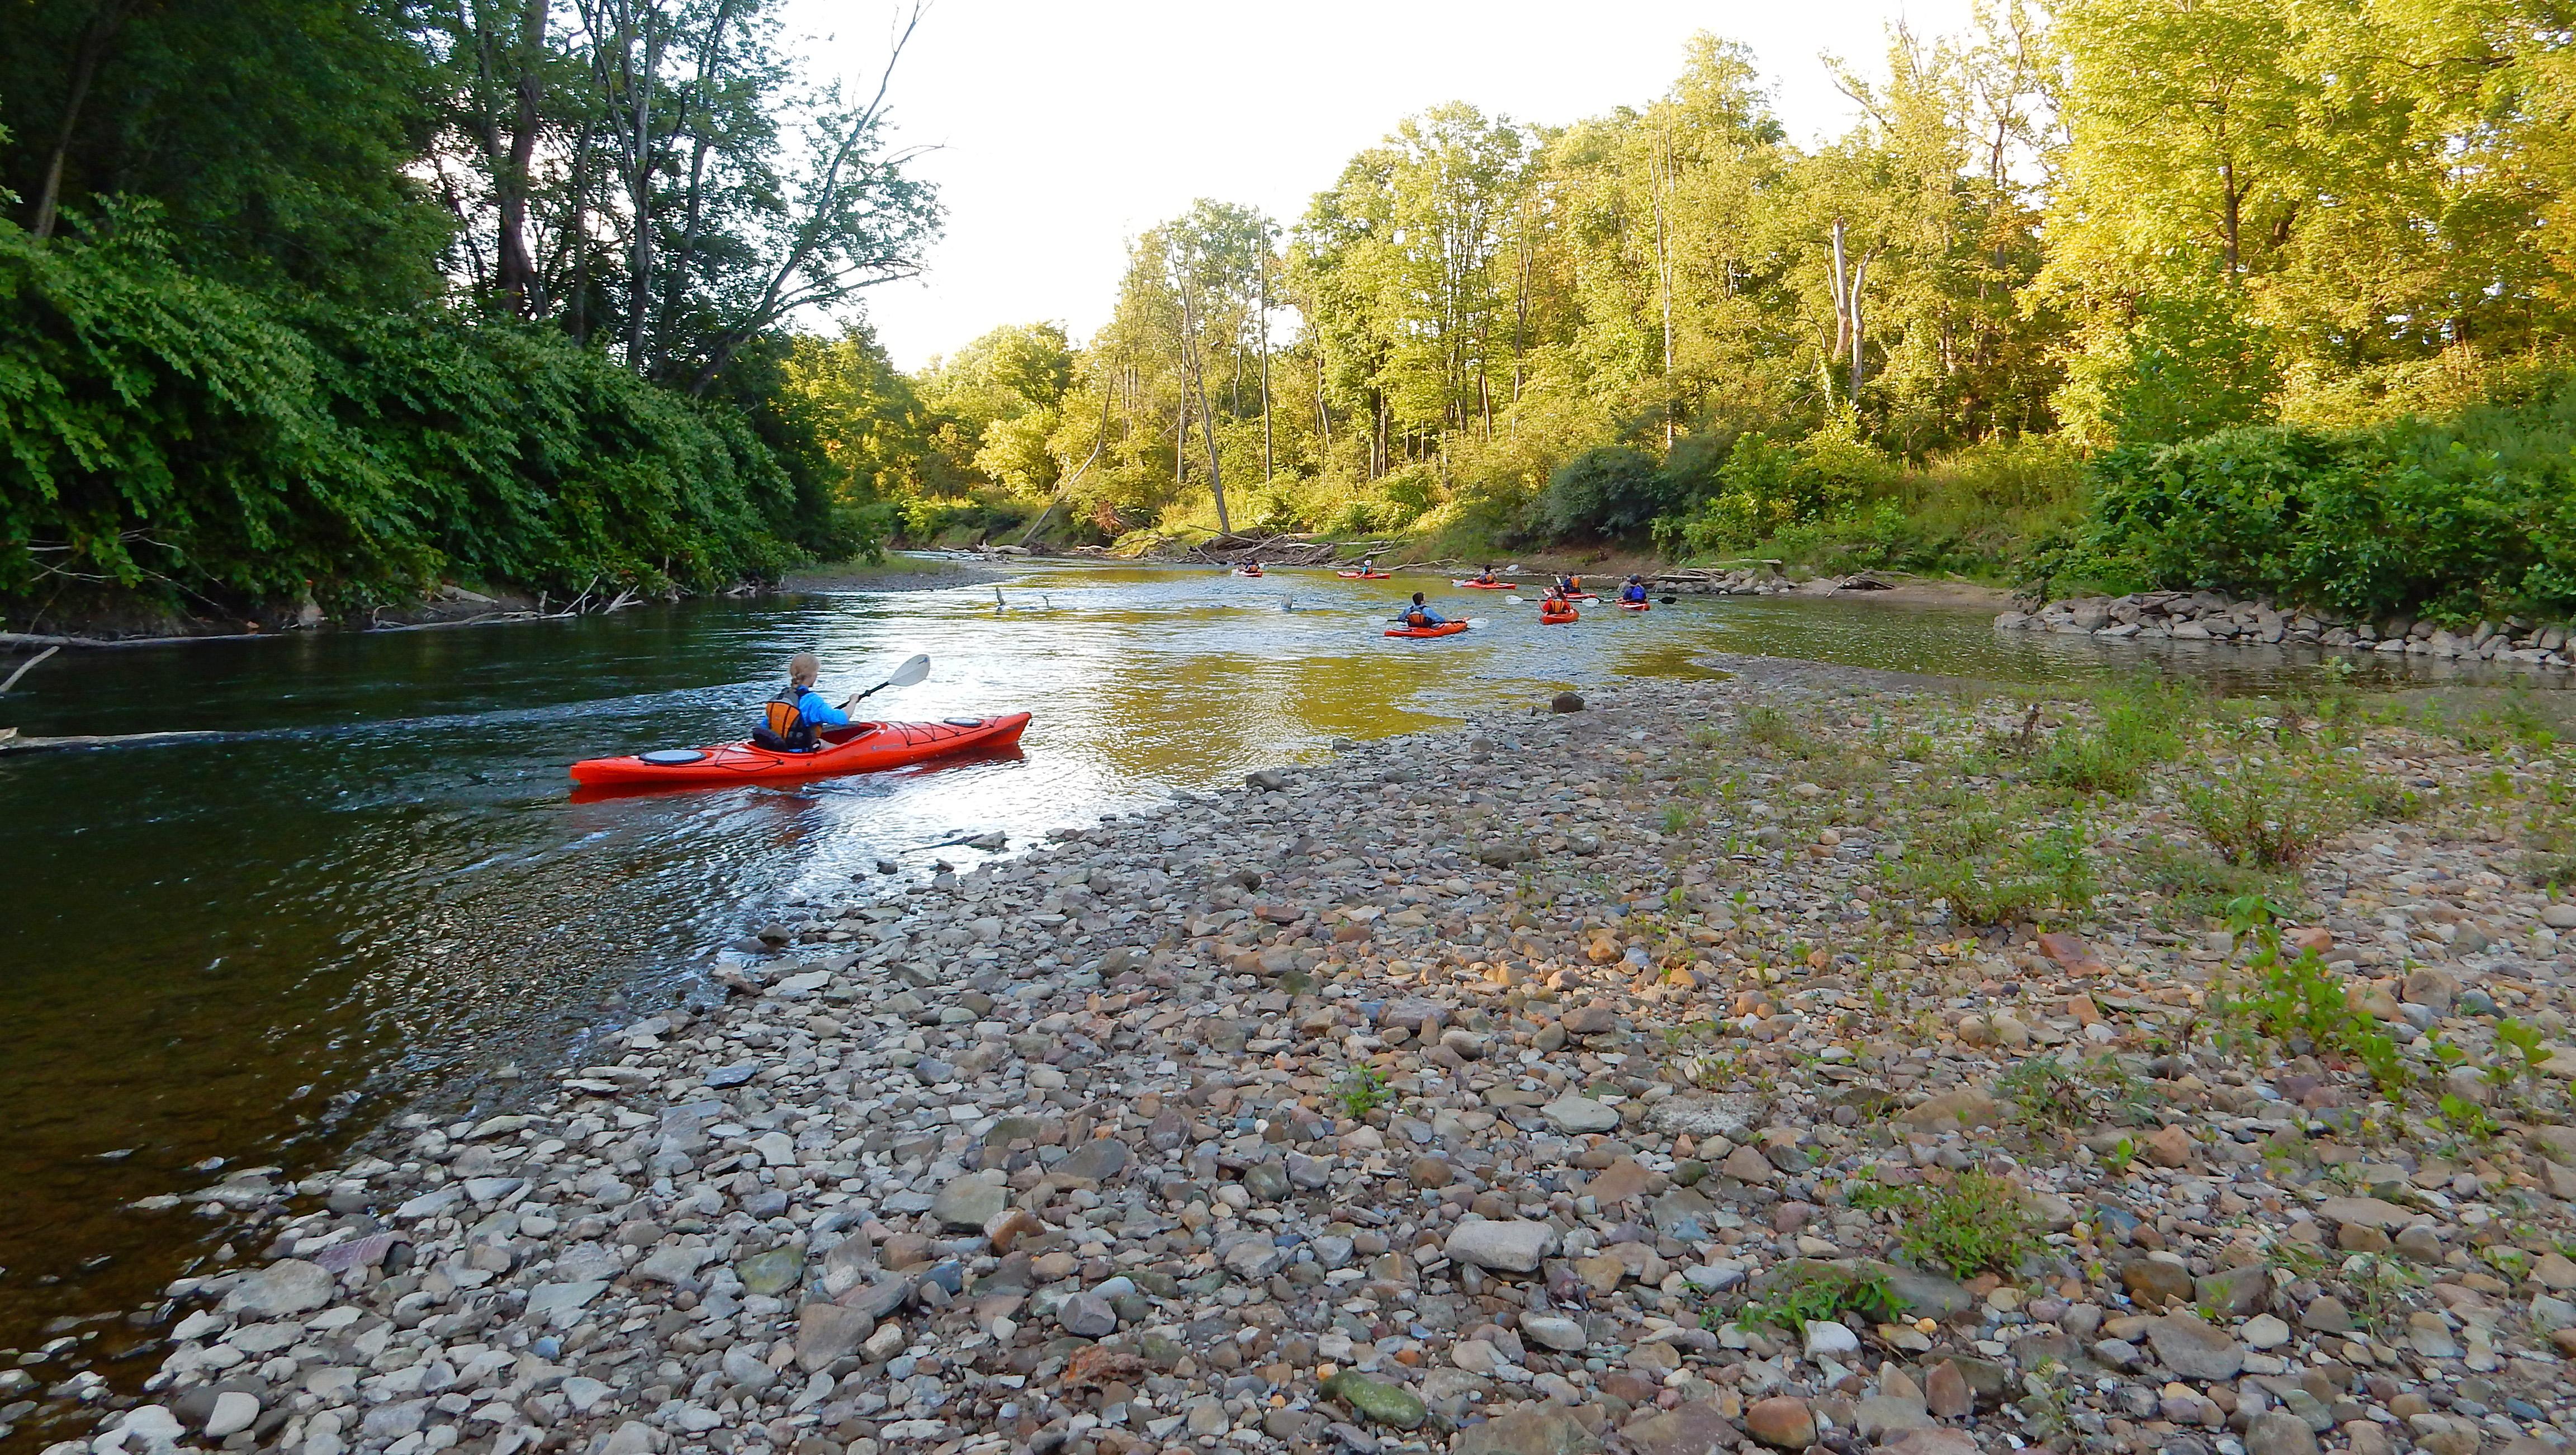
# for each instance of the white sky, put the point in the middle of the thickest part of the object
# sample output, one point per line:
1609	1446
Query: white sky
1065	127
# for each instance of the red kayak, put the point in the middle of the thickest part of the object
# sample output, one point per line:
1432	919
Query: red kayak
1484	585
865	747
1556	618
1364	575
1445	629
1636	606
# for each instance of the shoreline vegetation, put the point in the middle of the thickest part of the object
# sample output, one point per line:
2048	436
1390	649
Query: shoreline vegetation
397	309
1805	1056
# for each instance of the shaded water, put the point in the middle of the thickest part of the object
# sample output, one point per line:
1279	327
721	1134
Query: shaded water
375	889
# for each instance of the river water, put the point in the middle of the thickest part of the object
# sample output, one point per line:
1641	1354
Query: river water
374	890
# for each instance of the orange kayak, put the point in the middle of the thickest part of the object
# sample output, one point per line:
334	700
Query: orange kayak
1484	585
1636	606
865	747
1549	618
1364	575
1445	629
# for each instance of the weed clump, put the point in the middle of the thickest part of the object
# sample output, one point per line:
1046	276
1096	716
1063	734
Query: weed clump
2054	1093
1815	1293
2136	732
1990	875
2269	814
1975	1224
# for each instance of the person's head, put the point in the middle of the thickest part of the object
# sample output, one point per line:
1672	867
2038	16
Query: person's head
1417	598
803	668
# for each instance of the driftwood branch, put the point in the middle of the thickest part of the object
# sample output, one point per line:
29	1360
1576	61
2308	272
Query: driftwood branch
10	742
26	667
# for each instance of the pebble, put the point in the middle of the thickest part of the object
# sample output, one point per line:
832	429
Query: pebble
1414	1100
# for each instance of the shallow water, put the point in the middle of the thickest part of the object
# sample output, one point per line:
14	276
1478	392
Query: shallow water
375	889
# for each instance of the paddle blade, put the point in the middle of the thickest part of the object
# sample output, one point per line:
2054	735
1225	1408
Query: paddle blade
1514	600
916	670
1474	622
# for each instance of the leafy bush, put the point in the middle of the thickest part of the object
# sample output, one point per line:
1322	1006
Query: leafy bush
979	514
1604	492
2191	362
2458	519
175	436
1766	487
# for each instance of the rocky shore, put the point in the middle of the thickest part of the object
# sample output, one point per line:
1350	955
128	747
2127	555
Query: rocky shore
1604	1080
2215	616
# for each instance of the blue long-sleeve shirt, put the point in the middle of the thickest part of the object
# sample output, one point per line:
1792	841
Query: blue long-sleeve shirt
819	713
1429	616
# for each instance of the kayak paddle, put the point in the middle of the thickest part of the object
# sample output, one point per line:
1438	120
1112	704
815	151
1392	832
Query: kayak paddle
904	676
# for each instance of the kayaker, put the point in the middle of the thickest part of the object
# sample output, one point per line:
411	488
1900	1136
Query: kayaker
1420	614
797	710
1568	584
1635	590
1485	577
1554	602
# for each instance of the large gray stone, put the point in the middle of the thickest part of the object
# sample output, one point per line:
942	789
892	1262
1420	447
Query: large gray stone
1097	1160
1534	1429
827	1331
1736	1116
1087	1316
2190	1347
971	1201
288	1286
2277	1432
1515	1245
2368	1212
1694	1428
1575	1114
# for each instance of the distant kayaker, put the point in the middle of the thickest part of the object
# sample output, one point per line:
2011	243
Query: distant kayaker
1485	577
797	710
1568	584
1420	614
1635	590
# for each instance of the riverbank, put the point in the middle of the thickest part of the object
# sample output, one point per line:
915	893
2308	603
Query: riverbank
1519	1089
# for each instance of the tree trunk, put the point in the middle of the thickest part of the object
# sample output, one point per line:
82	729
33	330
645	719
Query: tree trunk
1269	467
2233	204
515	269
1664	277
675	285
1860	274
579	235
640	191
1193	356
95	36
